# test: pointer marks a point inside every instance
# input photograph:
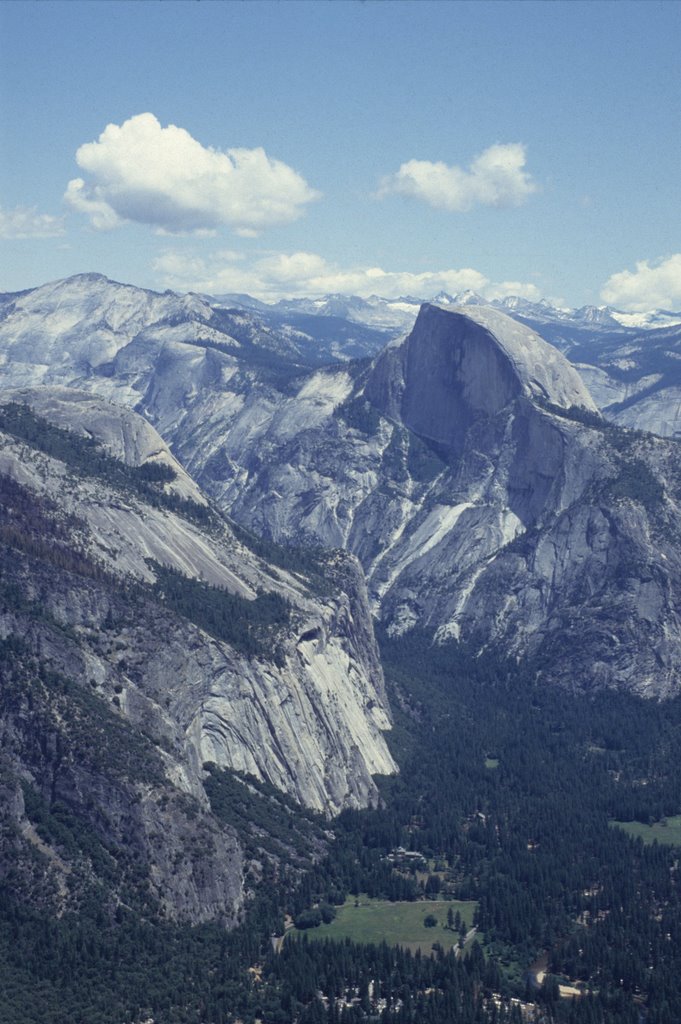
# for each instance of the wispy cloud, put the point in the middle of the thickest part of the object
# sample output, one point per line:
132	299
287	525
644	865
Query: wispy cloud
26	222
497	177
650	286
142	172
272	276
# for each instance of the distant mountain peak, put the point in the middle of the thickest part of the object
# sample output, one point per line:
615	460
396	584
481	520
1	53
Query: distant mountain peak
443	299
596	315
468	297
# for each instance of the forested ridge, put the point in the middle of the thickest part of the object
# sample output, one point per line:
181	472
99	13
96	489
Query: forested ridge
507	789
86	457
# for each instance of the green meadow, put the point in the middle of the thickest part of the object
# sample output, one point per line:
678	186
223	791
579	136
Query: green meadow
667	831
398	924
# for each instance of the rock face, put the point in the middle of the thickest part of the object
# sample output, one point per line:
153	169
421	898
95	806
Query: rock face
121	432
629	362
89	321
487	500
98	558
328	643
456	368
466	468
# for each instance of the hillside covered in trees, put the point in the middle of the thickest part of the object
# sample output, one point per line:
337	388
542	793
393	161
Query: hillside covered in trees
507	791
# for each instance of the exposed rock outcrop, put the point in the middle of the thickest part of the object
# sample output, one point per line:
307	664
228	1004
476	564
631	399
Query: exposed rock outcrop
466	468
470	472
295	699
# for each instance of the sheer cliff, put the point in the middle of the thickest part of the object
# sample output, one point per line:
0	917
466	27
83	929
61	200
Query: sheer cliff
466	467
142	639
470	472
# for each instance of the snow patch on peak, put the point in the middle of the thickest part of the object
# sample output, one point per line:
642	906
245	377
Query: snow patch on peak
595	315
647	321
466	298
444	299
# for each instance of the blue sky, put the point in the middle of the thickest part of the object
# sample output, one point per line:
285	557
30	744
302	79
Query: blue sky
307	147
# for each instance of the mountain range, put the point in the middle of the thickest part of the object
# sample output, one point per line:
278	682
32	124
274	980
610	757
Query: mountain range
466	466
629	361
207	505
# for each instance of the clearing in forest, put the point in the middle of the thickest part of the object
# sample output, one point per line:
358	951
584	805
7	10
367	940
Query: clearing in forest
667	831
398	924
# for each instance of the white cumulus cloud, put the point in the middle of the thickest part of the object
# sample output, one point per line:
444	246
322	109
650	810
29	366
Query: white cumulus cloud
26	222
497	177
140	171
273	276
650	286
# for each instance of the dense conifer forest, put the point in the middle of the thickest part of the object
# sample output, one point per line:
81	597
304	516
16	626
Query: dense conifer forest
509	792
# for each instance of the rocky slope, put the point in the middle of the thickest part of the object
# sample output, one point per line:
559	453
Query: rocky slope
143	639
88	320
466	468
636	379
487	500
87	329
629	361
